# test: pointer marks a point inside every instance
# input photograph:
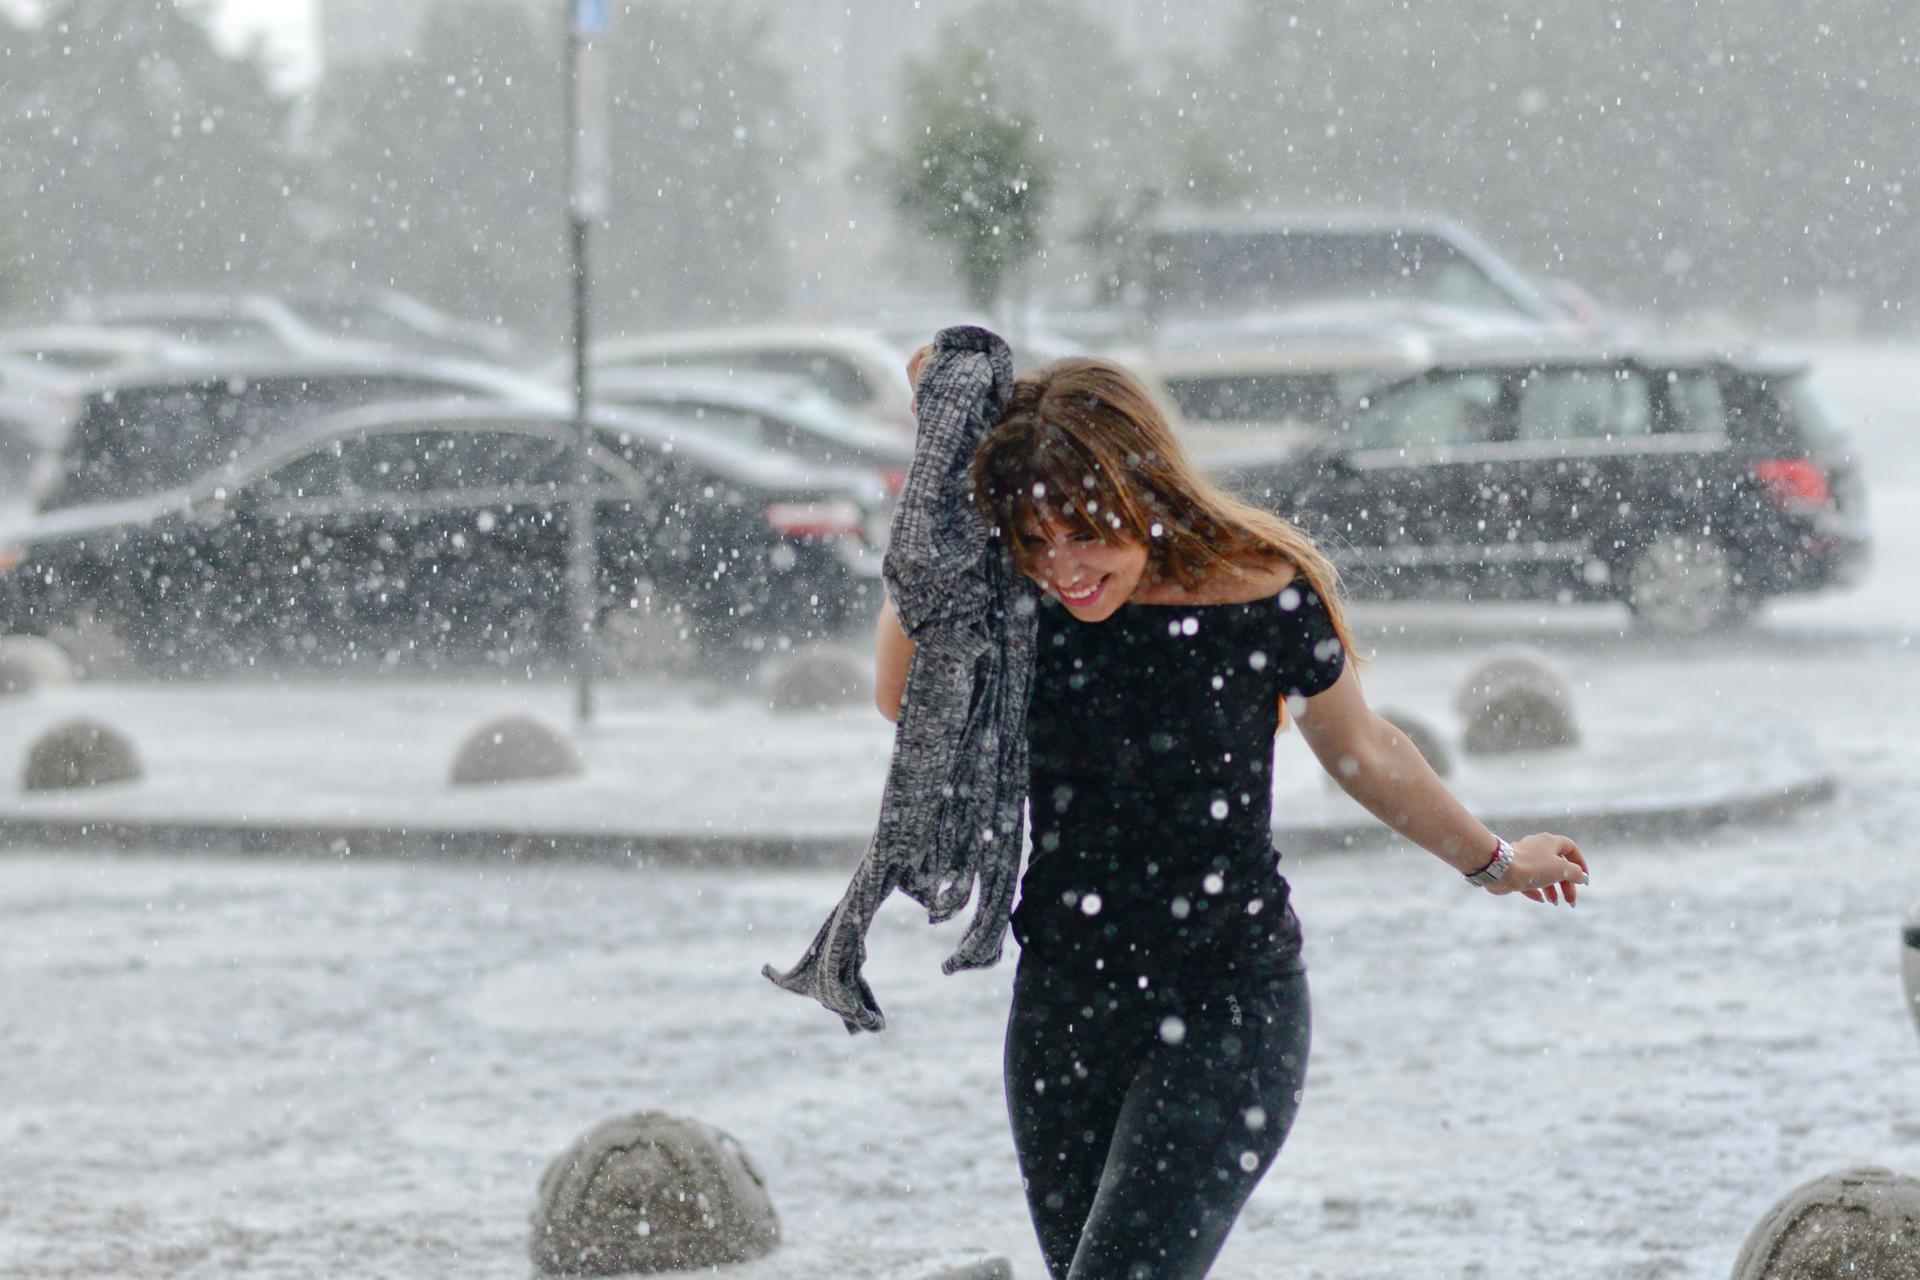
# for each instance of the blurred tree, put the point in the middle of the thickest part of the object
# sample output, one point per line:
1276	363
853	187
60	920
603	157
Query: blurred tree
137	155
1114	242
441	166
972	172
1120	142
703	129
444	167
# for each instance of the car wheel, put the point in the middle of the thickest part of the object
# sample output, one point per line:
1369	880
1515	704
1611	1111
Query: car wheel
1685	585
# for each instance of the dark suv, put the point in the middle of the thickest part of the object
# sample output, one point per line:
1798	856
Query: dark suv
140	432
1690	487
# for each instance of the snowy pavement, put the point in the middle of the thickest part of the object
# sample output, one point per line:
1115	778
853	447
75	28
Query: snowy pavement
676	775
230	1067
224	1066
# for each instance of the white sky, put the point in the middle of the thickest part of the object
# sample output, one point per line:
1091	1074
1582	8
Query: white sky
286	25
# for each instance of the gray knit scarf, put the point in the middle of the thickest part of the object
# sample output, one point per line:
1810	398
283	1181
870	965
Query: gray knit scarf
951	810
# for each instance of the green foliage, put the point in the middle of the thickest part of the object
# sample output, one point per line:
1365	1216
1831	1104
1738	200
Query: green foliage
973	173
137	155
1118	140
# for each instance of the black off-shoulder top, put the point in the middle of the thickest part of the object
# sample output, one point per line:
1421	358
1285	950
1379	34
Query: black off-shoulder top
1150	783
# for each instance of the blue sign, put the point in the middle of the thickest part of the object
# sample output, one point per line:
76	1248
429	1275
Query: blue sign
589	17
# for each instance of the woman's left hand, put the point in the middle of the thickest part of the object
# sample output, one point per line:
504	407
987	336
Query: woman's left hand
1544	867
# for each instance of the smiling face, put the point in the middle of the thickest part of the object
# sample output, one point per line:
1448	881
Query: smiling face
1091	577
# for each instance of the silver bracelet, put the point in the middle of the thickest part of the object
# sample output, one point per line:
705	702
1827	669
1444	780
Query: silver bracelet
1502	859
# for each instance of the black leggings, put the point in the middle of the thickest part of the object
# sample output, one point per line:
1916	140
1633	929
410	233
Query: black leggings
1143	1117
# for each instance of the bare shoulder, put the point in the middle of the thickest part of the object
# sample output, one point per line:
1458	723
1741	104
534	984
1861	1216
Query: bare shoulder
1256	581
1250	581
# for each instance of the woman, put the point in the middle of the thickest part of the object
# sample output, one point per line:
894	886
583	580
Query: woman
1159	1029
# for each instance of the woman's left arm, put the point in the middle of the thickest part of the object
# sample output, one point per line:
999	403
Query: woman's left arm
1380	767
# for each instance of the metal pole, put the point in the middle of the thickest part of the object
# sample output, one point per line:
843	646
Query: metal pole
586	199
581	555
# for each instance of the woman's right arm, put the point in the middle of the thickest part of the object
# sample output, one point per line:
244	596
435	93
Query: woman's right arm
892	650
892	655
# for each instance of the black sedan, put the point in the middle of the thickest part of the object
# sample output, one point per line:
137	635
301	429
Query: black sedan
440	530
1691	487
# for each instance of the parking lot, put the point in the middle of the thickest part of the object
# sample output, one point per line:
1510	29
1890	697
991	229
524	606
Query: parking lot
220	1065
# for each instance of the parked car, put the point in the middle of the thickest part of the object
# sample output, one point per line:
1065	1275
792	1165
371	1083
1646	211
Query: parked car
908	329
858	368
157	429
29	430
241	322
1201	264
1238	393
1691	487
389	318
764	411
440	529
77	351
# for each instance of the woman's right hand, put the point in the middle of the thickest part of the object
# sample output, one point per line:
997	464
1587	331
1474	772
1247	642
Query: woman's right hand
915	363
1544	867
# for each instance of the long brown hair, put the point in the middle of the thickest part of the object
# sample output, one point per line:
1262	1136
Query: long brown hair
1083	445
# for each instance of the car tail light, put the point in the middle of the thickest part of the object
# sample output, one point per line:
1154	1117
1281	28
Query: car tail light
895	478
1797	484
832	519
10	558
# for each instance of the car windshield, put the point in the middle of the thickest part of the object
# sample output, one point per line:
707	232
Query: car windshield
150	438
1808	402
1312	399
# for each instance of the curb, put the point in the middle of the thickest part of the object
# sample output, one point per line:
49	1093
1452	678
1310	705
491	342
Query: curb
1651	819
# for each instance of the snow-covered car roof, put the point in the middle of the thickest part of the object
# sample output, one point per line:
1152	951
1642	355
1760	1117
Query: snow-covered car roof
785	399
877	365
761	469
79	348
416	317
500	383
158	310
700	379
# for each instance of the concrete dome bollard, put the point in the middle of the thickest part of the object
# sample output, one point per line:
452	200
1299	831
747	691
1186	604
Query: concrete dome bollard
1910	962
80	753
513	749
29	662
817	679
651	1192
1516	701
1857	1224
1426	739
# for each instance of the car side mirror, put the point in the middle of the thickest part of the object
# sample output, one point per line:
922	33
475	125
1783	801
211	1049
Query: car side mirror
1332	448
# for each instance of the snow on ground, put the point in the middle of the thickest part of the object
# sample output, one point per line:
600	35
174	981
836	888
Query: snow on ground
663	761
221	1066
